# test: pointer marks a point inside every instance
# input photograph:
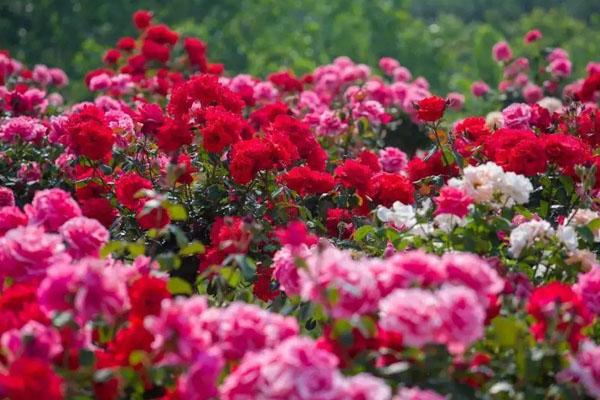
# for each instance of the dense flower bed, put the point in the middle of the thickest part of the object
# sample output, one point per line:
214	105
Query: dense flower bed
341	235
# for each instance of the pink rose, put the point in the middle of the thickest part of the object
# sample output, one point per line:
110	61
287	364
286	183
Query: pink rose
453	201
27	251
10	218
412	313
517	116
588	287
532	36
393	159
479	88
463	317
84	236
31	340
52	208
501	52
532	93
388	65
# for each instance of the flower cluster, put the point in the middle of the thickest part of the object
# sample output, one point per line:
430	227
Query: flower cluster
342	234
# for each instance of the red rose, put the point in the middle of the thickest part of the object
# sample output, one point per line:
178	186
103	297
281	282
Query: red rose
431	109
172	135
31	378
146	294
305	180
142	18
385	189
127	187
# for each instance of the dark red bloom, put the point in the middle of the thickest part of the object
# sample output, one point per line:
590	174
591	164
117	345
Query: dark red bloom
100	209
430	109
557	305
162	34
89	134
31	378
154	51
385	188
286	81
196	51
111	56
19	305
126	43
142	18
305	181
339	223
566	152
173	135
353	175
263	116
154	218
127	190
263	288
222	128
146	294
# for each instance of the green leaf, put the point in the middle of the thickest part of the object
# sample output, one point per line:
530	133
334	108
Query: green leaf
247	267
362	232
112	247
594	224
191	249
179	286
505	331
86	358
177	212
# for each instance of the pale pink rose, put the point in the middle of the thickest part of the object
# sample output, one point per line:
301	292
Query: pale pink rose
285	270
199	382
401	74
367	387
584	368
474	272
417	394
330	124
31	340
241	328
343	62
99	82
55	100
372	110
378	91
37	99
265	92
296	369
393	159
309	101
412	313
27	251
479	88
41	75
52	208
516	116
59	78
560	68
399	91
388	65
588	287
107	103
463	317
84	236
403	270
501	52
421	82
334	270
532	93
456	101
556	54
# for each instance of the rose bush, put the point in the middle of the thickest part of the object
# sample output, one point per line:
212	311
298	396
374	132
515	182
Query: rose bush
194	235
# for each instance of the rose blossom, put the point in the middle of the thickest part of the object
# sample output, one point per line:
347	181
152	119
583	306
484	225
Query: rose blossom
501	52
84	236
588	287
479	88
31	340
516	116
393	159
412	313
52	208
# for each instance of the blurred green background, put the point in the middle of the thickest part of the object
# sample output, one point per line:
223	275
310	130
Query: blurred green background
447	41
